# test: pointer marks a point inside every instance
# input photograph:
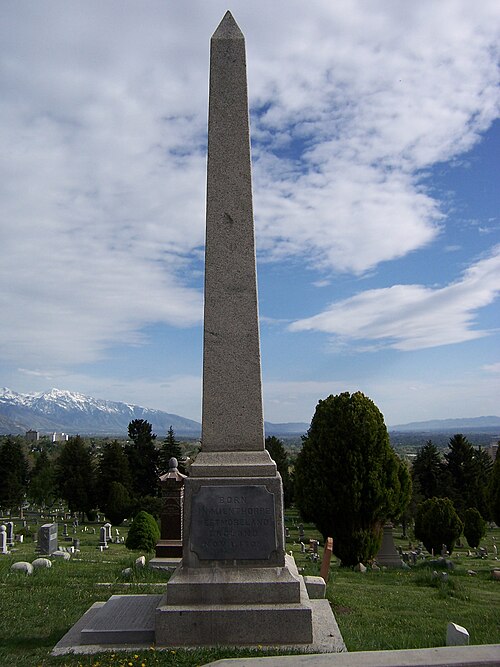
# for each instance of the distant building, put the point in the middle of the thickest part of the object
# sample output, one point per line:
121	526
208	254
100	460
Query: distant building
59	437
32	436
492	450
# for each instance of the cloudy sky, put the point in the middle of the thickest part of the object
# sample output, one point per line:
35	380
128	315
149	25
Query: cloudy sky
376	150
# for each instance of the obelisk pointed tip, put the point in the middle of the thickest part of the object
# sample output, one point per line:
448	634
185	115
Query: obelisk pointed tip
228	28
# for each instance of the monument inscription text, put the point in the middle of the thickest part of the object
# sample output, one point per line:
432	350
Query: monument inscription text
233	523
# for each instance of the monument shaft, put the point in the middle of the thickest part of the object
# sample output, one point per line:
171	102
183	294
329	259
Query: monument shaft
232	394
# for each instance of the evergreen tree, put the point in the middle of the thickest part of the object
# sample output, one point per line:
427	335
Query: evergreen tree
427	472
468	474
118	504
13	473
437	523
42	485
75	476
170	448
113	466
474	527
143	458
348	477
484	471
278	454
494	491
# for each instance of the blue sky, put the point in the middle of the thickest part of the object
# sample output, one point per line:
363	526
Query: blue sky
376	143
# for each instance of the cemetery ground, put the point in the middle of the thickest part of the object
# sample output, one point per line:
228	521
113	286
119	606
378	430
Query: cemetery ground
375	610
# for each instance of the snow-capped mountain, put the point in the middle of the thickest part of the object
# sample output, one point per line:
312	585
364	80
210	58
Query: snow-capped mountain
70	412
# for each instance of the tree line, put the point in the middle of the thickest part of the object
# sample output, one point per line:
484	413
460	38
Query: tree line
120	480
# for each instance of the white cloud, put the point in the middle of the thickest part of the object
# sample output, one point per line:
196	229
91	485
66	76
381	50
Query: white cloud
413	317
492	368
102	130
409	397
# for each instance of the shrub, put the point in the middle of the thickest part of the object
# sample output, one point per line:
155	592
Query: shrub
474	527
118	503
143	534
437	523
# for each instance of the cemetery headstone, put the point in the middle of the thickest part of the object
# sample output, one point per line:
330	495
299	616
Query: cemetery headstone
10	534
301	532
456	635
388	555
103	538
109	536
22	566
327	557
47	539
172	491
3	540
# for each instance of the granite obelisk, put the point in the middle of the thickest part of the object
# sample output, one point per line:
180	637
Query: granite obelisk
235	585
232	416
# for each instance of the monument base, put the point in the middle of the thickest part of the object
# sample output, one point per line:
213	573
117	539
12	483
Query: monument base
169	549
140	621
203	607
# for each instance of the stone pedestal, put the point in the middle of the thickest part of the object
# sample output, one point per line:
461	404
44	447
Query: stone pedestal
172	491
388	555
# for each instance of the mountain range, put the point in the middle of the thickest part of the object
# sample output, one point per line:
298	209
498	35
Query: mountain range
71	412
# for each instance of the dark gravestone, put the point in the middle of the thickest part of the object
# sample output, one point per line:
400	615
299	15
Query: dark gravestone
172	491
47	539
233	523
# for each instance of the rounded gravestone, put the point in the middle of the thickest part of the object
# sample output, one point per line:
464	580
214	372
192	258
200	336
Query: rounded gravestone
140	562
64	555
41	563
22	566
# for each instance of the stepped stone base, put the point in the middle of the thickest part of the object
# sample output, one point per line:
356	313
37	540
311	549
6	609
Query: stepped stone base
219	606
326	634
124	619
223	586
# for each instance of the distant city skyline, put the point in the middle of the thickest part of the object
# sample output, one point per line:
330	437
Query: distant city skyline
376	140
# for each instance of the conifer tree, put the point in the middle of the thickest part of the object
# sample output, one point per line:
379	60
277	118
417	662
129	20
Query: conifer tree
42	485
278	453
75	476
427	472
494	491
13	473
347	477
143	458
113	466
170	448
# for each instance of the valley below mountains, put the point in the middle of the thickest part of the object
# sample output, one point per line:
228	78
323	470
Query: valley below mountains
73	413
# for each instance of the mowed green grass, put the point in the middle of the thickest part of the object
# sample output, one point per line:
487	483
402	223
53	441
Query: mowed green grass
374	610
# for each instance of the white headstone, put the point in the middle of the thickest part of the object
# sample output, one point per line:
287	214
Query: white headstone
3	540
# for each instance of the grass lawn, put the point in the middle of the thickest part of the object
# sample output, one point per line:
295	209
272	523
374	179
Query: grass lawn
375	610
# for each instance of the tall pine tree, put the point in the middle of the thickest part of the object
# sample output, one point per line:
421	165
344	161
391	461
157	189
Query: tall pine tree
143	458
278	453
42	485
113	466
13	473
170	448
75	476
